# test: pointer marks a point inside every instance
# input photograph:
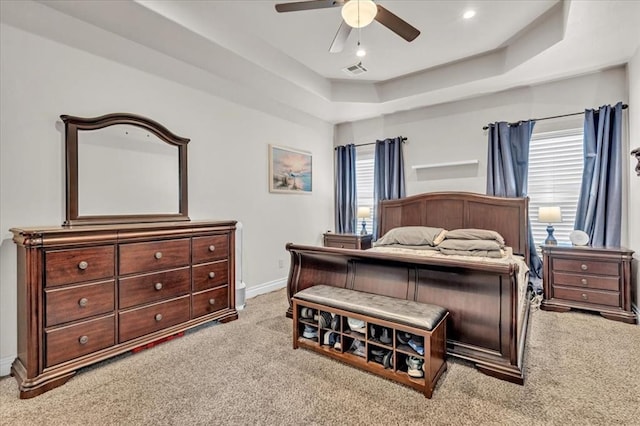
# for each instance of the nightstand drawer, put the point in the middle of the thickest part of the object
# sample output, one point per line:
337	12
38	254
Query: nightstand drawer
587	296
587	266
348	241
586	281
341	244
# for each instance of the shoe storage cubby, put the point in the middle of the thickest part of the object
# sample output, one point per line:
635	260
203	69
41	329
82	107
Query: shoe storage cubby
390	350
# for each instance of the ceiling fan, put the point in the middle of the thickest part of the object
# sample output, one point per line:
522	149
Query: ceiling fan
355	14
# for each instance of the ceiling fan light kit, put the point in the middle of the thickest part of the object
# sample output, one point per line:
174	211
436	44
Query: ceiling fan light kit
359	13
355	14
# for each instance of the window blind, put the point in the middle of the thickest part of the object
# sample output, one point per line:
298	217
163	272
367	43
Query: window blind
364	182
555	177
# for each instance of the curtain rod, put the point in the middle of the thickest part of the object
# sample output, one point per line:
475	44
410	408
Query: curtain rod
624	106
368	143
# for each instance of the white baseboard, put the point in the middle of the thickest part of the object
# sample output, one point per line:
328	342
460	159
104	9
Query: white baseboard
267	287
5	365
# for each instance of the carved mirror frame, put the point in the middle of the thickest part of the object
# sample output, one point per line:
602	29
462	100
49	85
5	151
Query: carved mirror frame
75	125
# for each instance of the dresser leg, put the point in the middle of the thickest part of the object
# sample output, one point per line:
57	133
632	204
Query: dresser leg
628	318
554	308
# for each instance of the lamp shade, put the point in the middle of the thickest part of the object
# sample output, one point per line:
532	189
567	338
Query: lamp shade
549	215
359	13
364	212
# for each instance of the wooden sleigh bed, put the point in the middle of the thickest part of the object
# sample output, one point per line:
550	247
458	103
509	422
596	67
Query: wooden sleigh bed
489	309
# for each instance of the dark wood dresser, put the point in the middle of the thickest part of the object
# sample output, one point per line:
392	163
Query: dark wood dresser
350	241
591	278
88	293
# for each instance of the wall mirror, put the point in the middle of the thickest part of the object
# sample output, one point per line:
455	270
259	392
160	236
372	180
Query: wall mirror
123	168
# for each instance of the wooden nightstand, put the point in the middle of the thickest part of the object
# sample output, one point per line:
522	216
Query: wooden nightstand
350	241
592	278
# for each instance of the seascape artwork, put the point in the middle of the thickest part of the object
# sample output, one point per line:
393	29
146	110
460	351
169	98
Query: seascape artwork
289	170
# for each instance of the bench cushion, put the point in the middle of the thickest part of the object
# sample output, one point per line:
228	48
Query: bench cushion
400	311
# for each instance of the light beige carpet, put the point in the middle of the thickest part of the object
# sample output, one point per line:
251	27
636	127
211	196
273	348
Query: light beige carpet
580	369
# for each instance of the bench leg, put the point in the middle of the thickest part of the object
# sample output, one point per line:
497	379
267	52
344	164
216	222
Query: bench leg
295	324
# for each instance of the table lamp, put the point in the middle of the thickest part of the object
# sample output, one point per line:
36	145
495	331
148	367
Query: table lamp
550	215
364	213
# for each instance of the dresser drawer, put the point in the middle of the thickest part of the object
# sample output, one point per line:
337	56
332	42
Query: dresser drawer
141	321
587	266
76	265
587	296
210	301
81	301
587	281
66	343
210	248
148	288
210	275
153	256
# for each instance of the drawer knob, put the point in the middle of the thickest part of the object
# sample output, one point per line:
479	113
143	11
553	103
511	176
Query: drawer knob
158	255
584	296
158	317
212	247
212	301
83	340
83	302
584	267
157	286
583	281
212	274
341	245
83	265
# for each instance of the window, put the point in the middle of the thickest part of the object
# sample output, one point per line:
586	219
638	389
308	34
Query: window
555	177
364	182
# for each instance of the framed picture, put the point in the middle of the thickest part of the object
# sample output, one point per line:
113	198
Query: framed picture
289	170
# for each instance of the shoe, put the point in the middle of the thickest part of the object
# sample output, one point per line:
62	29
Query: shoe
378	355
306	313
357	325
335	323
310	332
385	338
324	319
326	340
357	348
414	367
403	337
416	345
387	360
372	331
337	345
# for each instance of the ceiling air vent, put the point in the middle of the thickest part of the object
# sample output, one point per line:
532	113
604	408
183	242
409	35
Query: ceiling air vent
356	69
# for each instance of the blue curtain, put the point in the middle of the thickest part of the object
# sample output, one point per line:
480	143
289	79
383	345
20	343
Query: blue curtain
507	174
599	211
345	196
388	174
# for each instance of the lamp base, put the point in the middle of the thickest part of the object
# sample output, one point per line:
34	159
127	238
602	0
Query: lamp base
550	241
364	228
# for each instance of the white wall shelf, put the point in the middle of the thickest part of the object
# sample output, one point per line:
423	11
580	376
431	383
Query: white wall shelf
439	165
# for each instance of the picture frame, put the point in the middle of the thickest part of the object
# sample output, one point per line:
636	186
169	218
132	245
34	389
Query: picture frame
290	170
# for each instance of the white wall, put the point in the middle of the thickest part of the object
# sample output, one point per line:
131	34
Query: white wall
42	79
634	180
453	131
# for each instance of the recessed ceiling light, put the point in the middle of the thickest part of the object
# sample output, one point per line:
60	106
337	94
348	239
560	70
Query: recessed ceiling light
469	14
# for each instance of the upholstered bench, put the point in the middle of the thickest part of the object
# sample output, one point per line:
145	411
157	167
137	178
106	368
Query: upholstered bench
398	339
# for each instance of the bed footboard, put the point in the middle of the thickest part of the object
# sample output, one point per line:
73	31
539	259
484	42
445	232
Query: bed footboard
483	326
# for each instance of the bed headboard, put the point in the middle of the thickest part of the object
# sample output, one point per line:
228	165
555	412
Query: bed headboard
455	210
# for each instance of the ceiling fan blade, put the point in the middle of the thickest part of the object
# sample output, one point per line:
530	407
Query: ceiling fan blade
397	25
307	5
340	39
